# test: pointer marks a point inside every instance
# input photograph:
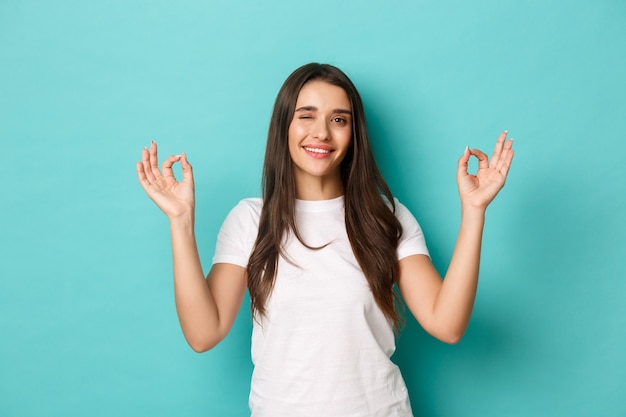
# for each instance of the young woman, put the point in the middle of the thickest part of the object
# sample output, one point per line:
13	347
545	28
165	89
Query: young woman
321	254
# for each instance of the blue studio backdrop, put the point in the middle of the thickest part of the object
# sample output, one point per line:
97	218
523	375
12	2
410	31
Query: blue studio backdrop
87	319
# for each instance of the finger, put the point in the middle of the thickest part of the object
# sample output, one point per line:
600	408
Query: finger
507	157
154	160
145	161
141	174
187	170
483	160
463	163
497	164
497	151
167	166
507	163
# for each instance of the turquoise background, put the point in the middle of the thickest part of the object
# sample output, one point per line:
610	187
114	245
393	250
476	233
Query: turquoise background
87	319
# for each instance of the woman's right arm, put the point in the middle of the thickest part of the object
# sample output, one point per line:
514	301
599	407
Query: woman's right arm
206	307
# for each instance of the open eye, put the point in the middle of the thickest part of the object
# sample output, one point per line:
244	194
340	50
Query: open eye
340	120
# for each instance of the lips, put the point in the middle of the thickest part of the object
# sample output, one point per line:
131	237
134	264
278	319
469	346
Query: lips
318	149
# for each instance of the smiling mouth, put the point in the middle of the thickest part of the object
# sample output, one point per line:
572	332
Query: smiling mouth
317	150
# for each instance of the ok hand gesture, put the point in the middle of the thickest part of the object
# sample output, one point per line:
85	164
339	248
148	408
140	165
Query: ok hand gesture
480	189
174	198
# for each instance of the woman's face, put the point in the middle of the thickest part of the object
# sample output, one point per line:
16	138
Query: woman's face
320	133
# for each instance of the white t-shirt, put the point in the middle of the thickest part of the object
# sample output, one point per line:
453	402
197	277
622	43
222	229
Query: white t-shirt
324	347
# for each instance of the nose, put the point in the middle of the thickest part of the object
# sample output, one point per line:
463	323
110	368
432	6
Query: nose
321	130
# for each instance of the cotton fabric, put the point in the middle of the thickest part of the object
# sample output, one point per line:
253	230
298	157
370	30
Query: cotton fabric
324	347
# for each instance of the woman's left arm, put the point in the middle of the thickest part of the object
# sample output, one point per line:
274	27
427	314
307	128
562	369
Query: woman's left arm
443	308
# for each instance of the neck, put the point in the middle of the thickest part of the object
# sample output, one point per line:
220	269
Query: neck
319	189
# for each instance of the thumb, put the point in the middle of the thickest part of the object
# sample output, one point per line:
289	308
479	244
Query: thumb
463	163
187	169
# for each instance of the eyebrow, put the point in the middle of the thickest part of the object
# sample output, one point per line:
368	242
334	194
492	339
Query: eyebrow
313	108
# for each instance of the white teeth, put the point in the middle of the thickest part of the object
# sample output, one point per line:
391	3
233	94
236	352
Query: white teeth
317	150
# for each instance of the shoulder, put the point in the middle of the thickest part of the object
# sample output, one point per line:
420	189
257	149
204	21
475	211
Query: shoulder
238	233
412	240
244	217
252	204
247	208
410	225
402	212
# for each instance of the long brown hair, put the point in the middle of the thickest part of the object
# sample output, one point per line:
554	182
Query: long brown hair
372	228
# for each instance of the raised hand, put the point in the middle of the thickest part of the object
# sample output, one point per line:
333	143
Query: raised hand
480	189
174	198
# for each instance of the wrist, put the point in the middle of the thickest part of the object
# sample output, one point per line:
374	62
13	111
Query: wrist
184	222
473	213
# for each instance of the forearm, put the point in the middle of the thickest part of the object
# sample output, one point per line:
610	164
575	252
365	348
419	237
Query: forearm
196	308
455	300
444	308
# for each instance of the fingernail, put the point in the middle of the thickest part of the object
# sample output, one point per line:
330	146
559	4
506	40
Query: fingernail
506	131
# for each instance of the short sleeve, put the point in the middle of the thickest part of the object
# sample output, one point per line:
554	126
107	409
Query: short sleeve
238	233
412	241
